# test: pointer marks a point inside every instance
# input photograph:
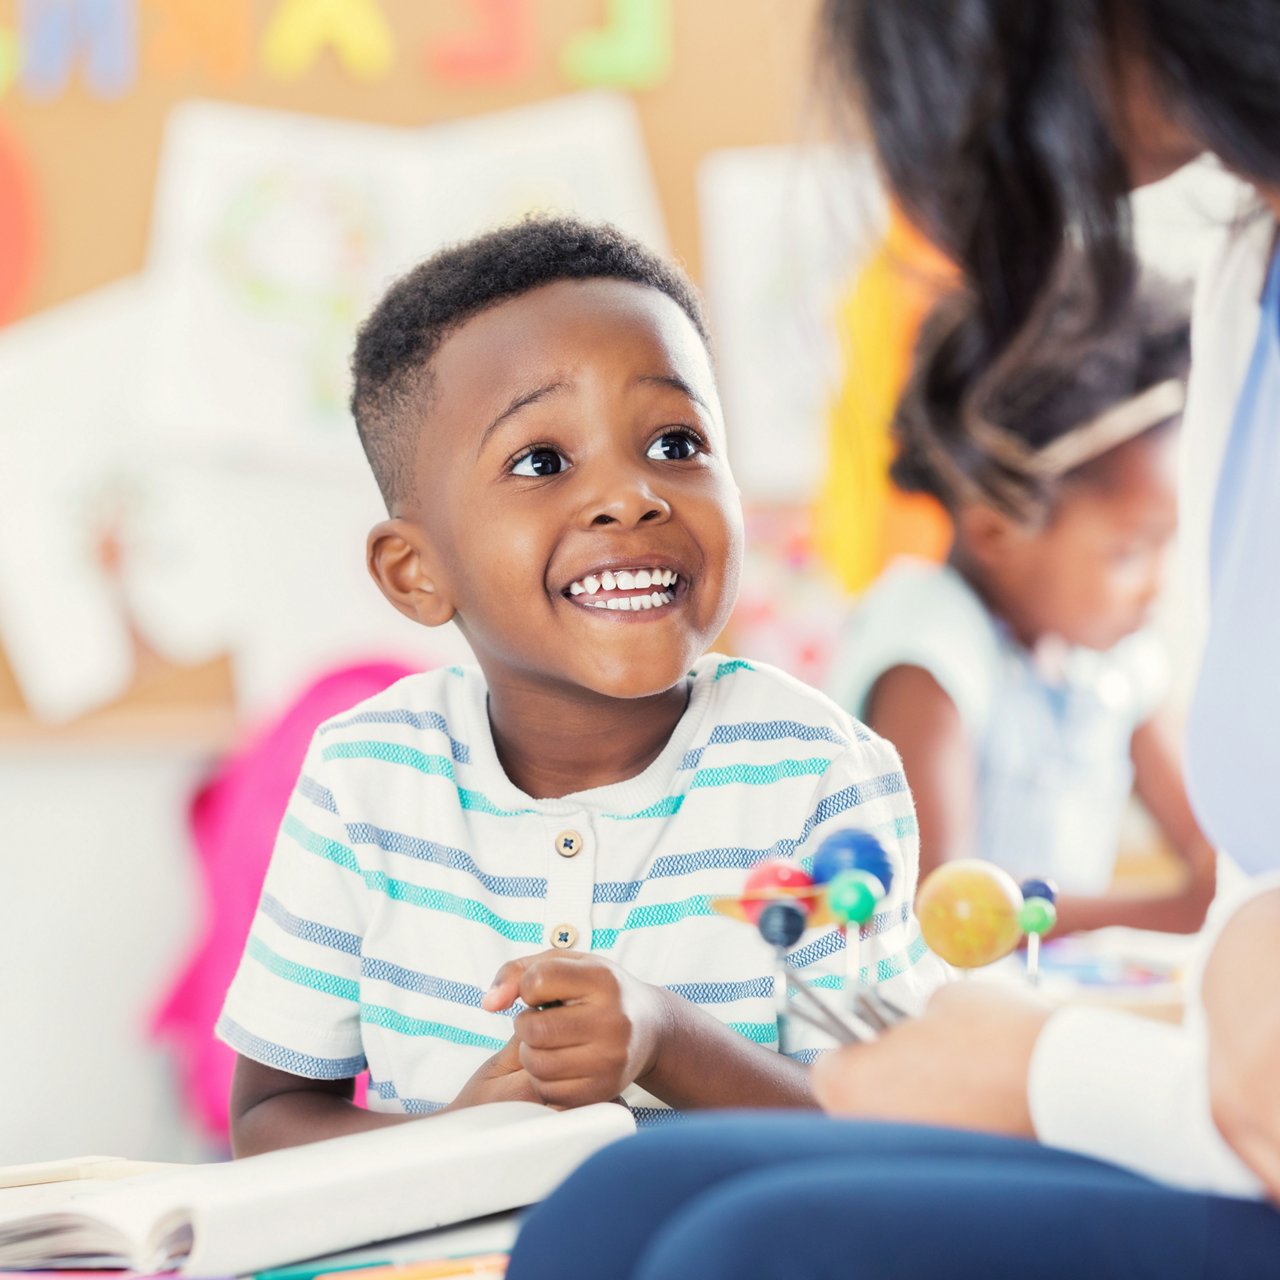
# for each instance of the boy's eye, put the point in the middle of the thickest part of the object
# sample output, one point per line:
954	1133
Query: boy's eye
673	446
540	462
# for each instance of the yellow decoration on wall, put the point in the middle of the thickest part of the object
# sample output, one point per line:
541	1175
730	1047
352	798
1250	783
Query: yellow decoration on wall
300	29
9	58
861	520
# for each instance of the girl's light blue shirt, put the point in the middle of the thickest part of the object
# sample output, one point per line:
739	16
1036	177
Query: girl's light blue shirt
1054	770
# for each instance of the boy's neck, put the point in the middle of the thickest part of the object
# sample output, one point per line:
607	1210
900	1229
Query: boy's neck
552	744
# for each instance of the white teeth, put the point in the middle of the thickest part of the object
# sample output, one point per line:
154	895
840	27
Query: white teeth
627	580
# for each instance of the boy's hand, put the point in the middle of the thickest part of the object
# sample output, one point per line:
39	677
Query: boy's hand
499	1079
962	1064
590	1029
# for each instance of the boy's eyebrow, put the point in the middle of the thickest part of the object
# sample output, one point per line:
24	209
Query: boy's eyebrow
676	384
521	401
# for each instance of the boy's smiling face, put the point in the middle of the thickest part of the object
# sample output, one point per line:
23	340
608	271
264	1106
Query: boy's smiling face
572	501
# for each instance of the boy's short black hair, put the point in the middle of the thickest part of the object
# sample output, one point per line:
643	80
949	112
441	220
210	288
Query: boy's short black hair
395	344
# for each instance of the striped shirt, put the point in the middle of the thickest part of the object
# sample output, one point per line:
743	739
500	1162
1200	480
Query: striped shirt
409	868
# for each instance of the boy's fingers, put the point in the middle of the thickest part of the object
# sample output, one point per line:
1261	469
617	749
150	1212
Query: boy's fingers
560	1026
561	976
505	987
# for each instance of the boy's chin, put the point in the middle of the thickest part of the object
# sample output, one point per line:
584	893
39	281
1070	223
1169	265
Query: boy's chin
634	681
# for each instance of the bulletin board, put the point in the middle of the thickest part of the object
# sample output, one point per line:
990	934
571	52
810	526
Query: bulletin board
733	73
83	113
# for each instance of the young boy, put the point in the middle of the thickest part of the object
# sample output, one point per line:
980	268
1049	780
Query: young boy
492	882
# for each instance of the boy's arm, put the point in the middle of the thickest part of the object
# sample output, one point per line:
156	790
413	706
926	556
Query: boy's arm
912	710
1158	783
591	1029
272	1108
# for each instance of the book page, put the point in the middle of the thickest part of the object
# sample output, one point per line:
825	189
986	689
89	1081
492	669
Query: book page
267	1210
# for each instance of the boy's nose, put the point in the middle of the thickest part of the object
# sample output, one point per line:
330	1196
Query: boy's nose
626	499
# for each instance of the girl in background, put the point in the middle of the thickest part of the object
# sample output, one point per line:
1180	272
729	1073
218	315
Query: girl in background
1018	680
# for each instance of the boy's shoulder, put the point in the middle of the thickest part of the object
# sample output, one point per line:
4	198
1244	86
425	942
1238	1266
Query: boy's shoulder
424	699
760	699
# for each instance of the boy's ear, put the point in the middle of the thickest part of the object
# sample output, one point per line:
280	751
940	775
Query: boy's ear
402	562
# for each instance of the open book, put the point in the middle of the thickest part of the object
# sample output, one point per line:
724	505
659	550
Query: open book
247	1215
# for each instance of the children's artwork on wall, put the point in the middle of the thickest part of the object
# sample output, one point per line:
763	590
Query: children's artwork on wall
632	51
64	379
783	231
582	153
101	36
110	549
273	234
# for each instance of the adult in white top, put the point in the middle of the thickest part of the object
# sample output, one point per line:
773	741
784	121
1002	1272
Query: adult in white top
1196	1106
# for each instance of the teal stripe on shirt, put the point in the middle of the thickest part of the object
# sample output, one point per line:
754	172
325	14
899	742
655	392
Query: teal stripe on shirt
435	766
413	894
890	967
300	974
380	1016
745	775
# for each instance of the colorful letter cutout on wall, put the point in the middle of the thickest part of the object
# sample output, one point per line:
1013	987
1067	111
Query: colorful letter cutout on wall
357	30
633	51
189	33
17	226
53	33
500	47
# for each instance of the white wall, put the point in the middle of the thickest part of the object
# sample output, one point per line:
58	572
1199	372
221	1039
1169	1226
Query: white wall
97	908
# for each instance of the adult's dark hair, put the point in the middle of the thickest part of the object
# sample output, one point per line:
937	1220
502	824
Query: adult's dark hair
391	364
994	122
1059	383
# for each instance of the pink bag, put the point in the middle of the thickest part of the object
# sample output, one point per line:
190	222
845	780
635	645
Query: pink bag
234	819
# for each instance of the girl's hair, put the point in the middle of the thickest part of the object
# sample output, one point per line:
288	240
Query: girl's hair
994	125
1059	383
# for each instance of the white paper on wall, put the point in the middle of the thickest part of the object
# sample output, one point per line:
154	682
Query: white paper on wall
580	154
784	231
305	602
271	236
274	234
65	386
